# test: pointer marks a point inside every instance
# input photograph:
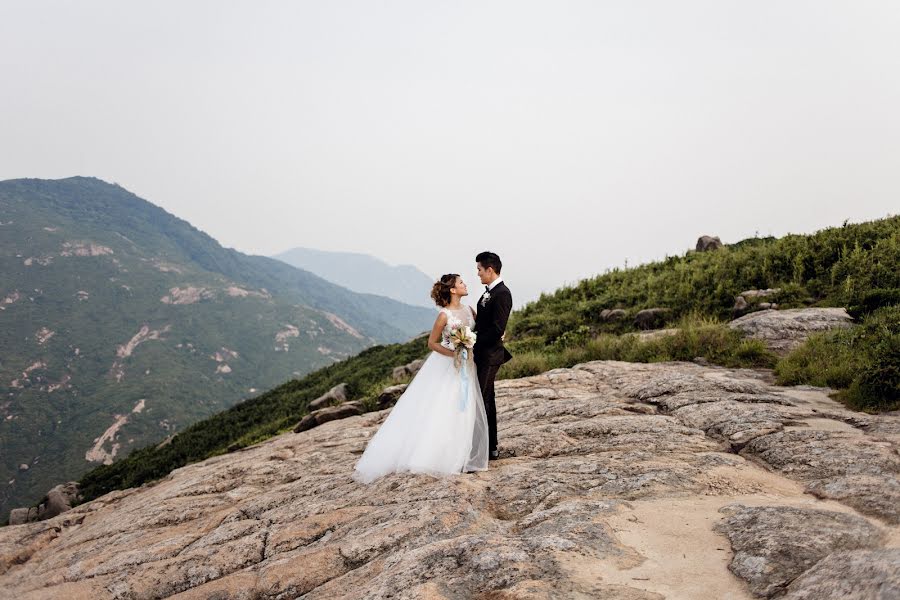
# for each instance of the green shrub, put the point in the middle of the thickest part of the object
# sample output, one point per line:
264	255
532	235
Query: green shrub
878	385
524	365
863	361
828	359
572	338
701	337
873	300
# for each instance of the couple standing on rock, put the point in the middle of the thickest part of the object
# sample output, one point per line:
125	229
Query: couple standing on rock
446	421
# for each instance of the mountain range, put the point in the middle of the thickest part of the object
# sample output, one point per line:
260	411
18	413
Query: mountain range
364	273
121	324
812	277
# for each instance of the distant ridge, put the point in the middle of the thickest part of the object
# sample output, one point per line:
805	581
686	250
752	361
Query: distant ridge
364	274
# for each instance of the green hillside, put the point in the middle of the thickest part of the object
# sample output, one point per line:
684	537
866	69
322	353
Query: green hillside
121	324
853	265
856	266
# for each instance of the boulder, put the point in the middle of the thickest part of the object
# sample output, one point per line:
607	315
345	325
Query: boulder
612	314
706	243
414	366
17	516
761	293
784	330
60	499
335	395
408	370
750	300
651	318
307	422
390	395
341	411
329	413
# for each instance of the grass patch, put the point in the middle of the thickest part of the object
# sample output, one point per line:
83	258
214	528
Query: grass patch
698	337
862	362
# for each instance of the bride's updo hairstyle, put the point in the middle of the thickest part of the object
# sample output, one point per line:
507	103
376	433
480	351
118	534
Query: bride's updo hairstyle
440	291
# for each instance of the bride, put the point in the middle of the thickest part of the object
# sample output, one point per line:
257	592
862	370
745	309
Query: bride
438	425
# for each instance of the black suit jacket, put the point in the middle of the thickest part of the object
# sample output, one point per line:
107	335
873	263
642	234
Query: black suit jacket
490	323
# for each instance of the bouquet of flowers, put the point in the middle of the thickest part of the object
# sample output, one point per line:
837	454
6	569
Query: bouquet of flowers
462	340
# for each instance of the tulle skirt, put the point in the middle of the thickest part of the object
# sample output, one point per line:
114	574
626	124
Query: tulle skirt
438	426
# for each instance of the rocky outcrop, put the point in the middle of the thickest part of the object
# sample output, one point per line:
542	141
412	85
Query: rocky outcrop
755	300
331	413
387	398
784	330
773	545
336	395
610	485
852	576
406	371
755	294
58	500
869	494
706	243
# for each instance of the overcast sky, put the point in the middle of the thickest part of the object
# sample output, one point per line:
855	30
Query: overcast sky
568	137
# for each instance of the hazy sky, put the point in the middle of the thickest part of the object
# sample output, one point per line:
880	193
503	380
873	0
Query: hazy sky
568	137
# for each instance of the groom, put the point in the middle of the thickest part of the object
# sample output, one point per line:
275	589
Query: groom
494	307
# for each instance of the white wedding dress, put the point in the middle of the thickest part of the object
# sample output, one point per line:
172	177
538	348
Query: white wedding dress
438	425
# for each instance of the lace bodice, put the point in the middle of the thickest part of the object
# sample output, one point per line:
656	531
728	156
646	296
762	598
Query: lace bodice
455	318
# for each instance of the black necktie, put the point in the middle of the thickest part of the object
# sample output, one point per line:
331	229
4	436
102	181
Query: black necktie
487	288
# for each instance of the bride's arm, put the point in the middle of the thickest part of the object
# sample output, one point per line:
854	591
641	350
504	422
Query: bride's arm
434	338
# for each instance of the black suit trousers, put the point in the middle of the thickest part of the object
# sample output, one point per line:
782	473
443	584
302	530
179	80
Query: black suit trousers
486	376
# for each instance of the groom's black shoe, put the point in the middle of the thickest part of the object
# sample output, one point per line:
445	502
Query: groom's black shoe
493	455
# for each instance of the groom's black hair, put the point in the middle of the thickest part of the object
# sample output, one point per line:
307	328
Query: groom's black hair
489	259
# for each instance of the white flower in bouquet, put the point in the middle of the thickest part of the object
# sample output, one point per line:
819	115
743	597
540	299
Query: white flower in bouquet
462	338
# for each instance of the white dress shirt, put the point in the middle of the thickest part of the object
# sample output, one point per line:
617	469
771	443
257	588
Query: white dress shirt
495	283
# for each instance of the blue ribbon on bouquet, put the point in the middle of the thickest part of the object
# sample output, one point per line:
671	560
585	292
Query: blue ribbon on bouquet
464	399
